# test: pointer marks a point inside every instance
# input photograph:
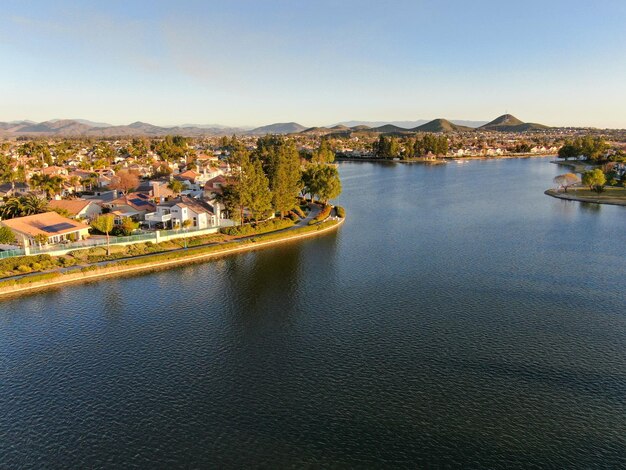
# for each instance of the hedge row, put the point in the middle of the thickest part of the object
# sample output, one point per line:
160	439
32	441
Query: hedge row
262	227
29	264
172	255
323	215
298	210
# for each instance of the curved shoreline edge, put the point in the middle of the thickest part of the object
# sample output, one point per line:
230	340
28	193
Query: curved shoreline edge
570	197
110	271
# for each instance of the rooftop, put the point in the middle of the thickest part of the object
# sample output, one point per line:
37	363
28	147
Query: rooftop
48	223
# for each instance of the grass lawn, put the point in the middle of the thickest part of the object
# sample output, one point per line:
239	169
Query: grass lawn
610	195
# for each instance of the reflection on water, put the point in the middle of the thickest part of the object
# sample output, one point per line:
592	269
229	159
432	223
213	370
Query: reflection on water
590	207
458	317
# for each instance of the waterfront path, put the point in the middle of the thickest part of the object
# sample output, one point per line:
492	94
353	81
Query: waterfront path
108	268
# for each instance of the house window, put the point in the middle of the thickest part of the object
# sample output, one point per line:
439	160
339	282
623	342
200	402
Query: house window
195	222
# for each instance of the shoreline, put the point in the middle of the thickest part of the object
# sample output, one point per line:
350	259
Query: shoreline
443	160
592	200
59	279
578	166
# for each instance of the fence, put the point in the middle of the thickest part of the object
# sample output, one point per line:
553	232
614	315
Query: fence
90	243
155	237
11	253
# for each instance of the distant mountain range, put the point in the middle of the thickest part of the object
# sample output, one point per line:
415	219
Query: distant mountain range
279	128
442	125
407	124
509	123
83	127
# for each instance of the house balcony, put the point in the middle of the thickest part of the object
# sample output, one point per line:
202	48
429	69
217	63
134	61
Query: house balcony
156	218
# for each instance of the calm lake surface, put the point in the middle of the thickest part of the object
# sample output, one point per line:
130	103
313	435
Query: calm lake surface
460	317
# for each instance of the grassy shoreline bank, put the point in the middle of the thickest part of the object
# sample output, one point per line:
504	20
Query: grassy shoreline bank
589	196
159	261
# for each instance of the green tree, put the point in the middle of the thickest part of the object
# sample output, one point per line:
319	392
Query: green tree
595	179
409	148
569	150
126	226
41	239
329	184
593	148
34	205
90	181
22	206
13	207
104	224
176	186
6	170
61	211
172	148
323	154
321	181
310	181
231	198
7	236
51	185
387	147
287	181
255	191
233	195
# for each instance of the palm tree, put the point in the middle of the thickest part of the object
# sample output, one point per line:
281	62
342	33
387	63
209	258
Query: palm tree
90	181
75	182
32	204
50	184
13	207
176	187
22	206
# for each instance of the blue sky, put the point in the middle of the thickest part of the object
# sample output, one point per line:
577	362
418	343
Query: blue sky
246	62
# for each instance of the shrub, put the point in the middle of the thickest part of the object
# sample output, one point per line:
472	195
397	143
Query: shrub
262	227
171	255
23	268
341	212
299	212
11	266
66	261
323	215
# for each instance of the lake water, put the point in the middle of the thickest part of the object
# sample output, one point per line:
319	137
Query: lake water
459	317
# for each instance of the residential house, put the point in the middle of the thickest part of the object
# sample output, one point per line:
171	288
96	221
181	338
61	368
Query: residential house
133	205
53	226
13	189
175	212
214	187
54	171
105	177
156	189
82	209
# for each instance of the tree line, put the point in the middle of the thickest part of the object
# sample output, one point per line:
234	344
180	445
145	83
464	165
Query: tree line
271	177
410	147
593	148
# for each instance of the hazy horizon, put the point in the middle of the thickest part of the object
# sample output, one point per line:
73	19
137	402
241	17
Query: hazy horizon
249	64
